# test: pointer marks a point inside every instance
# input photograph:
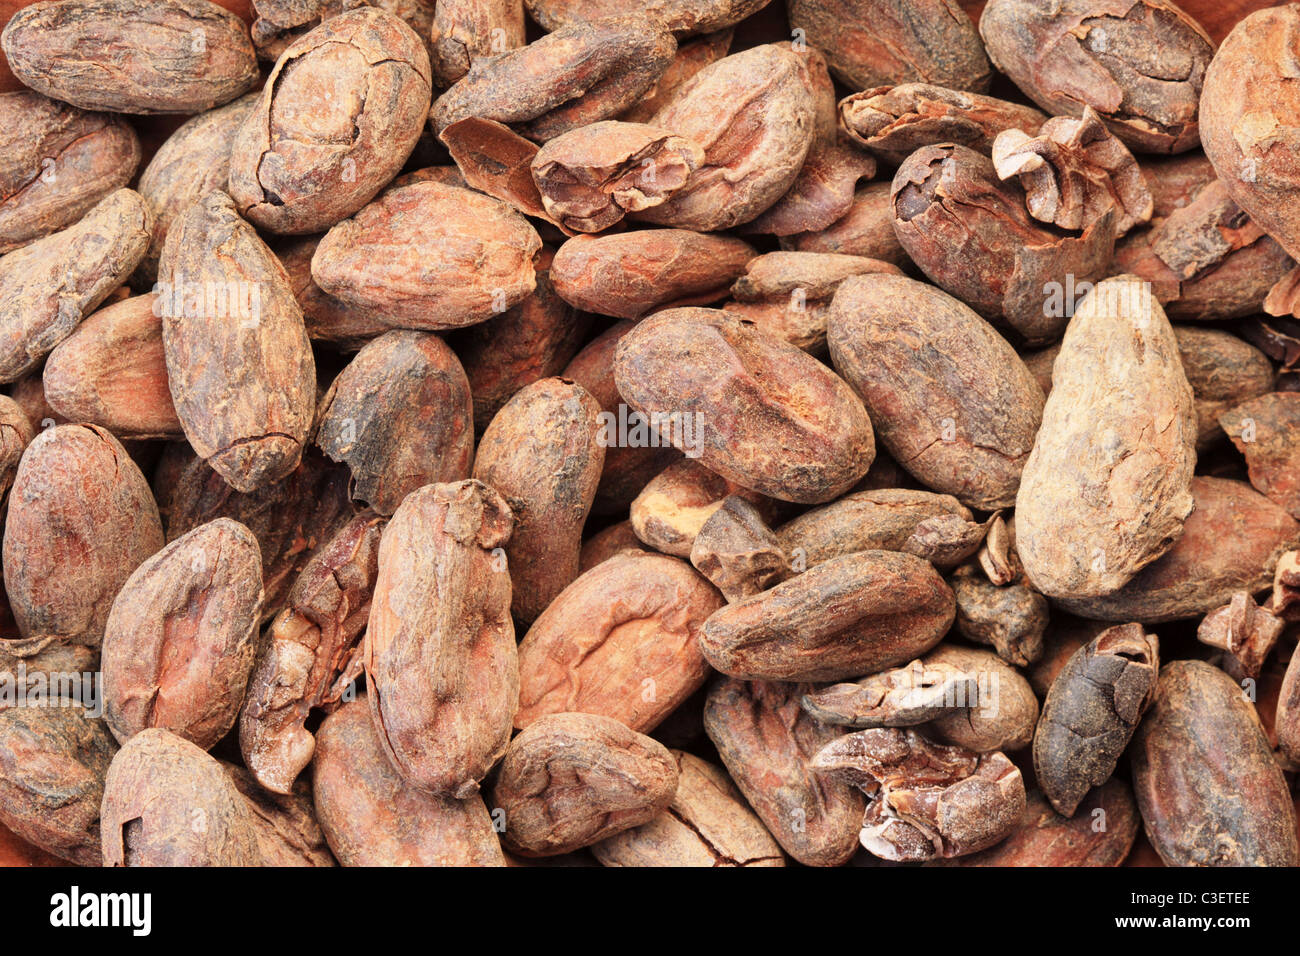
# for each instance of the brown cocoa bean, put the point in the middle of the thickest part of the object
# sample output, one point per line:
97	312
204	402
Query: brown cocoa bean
767	744
768	416
1011	618
973	237
1091	711
429	256
400	415
1210	791
305	159
926	800
960	415
286	827
882	520
1003	715
738	552
1265	431
679	16
81	518
674	505
535	339
894	121
182	56
234	340
112	371
541	454
589	178
180	638
1248	107
465	31
788	294
571	780
1100	834
1105	490
866	230
629	466
441	666
47	287
1117	56
633	273
53	760
58	162
372	817
604	544
852	615
168	803
621	641
895	41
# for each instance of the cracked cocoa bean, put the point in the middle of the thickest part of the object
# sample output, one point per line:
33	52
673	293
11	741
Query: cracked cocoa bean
1091	711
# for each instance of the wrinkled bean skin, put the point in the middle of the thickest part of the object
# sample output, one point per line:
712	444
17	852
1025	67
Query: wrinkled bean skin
157	786
286	827
400	415
971	234
540	452
372	817
570	780
679	16
1105	491
185	56
672	508
968	377
852	615
631	274
895	41
767	743
313	653
442	670
53	760
49	286
774	418
1006	712
1103	54
1091	711
465	31
1210	791
863	521
299	165
253	359
621	641
81	518
58	162
179	641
